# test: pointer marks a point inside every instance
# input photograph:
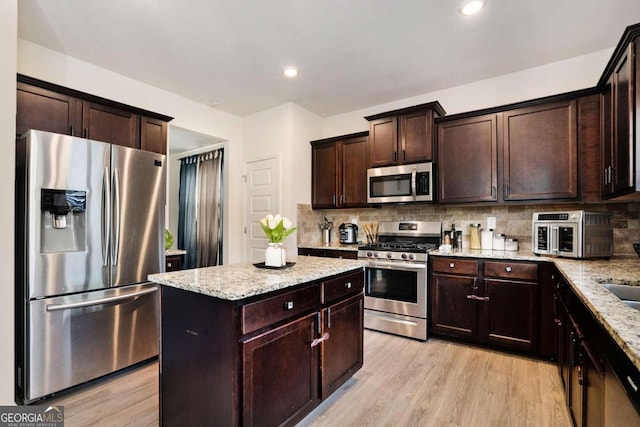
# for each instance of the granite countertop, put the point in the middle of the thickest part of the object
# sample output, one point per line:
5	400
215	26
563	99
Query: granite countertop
239	281
586	277
335	246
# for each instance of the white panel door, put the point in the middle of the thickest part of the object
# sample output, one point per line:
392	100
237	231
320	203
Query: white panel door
262	197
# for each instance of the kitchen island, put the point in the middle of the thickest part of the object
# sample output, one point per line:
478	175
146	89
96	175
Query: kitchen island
242	345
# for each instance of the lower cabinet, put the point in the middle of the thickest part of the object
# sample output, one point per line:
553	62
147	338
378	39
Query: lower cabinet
264	361
486	301
587	362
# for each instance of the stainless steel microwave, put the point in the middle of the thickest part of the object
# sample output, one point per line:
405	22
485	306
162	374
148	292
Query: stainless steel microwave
400	184
573	234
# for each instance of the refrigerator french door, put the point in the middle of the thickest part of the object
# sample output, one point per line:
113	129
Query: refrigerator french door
90	228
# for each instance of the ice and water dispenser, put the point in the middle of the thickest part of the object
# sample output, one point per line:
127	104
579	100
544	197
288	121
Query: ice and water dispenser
63	221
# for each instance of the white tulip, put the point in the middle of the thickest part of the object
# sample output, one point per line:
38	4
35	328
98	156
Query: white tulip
286	222
264	222
272	222
278	218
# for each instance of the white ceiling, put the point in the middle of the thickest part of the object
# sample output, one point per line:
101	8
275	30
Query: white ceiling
351	54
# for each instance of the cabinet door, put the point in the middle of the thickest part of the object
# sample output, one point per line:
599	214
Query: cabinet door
607	139
153	135
468	160
341	354
354	173
540	152
107	124
383	142
416	137
589	148
452	313
280	375
324	175
43	109
623	126
510	315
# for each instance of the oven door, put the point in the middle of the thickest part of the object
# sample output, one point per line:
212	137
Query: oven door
397	287
560	239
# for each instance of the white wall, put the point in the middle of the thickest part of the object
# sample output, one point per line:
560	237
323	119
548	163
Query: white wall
45	64
285	132
564	76
8	43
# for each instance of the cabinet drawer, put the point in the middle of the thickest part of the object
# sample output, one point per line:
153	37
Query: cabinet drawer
454	265
511	270
271	310
342	286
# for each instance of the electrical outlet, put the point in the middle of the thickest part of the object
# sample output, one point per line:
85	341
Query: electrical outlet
354	221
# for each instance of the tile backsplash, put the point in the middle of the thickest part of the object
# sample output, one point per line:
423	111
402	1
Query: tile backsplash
513	221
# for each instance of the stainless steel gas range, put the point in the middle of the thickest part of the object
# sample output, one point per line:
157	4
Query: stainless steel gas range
396	277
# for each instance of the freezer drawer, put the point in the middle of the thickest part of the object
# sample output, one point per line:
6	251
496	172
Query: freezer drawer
80	337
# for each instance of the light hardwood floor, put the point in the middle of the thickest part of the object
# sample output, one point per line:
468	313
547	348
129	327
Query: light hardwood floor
403	383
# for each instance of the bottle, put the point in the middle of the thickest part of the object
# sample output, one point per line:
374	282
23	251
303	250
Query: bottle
474	238
454	241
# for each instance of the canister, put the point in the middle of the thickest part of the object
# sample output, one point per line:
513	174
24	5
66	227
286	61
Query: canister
474	236
498	242
510	244
487	240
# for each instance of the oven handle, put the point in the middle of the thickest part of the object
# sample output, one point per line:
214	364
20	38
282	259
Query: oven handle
555	237
398	266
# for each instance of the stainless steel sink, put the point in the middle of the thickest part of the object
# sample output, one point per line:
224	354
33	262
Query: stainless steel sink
629	295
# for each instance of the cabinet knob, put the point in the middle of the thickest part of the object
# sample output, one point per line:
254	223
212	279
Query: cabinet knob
169	264
452	265
288	305
508	269
347	285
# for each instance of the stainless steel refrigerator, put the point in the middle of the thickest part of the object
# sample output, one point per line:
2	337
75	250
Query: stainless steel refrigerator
89	228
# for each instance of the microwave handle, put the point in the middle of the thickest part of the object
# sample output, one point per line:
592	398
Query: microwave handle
554	239
413	184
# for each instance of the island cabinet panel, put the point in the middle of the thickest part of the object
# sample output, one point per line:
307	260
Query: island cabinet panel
342	350
495	303
328	253
265	360
271	310
198	368
280	374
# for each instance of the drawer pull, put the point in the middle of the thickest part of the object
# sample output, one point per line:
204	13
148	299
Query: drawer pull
169	264
452	265
317	341
347	285
508	269
477	298
288	305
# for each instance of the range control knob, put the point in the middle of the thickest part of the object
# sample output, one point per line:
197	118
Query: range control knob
412	257
389	255
405	256
369	254
375	255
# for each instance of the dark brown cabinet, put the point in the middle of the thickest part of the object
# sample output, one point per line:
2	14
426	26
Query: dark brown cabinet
488	302
540	152
266	360
403	136
527	153
339	172
621	97
328	253
468	160
173	262
52	108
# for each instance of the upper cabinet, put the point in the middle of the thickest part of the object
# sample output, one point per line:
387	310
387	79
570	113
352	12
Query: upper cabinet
52	108
403	136
620	100
524	152
339	172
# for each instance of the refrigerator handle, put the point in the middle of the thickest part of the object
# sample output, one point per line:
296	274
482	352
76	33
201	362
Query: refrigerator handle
106	216
116	218
58	307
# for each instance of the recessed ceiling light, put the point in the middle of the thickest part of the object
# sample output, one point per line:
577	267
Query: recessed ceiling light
290	71
472	7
